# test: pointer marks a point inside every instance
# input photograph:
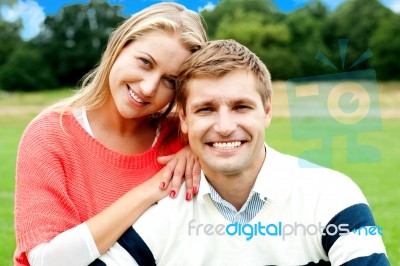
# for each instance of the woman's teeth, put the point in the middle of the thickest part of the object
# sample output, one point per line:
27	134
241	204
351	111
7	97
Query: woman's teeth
135	97
226	145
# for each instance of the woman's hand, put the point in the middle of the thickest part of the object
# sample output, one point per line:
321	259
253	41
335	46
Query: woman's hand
181	165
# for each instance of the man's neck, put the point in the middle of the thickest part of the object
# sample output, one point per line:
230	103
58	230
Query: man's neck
235	188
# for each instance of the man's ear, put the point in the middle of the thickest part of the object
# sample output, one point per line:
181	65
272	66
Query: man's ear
268	113
182	119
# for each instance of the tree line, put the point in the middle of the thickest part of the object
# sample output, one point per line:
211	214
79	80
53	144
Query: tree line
302	43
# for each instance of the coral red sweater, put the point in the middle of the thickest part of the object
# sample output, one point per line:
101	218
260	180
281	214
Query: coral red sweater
64	177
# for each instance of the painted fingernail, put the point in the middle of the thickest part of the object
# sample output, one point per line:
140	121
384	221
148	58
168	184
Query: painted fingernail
194	190
172	193
188	196
162	185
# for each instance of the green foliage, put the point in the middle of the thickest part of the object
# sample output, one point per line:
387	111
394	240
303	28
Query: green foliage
73	40
26	70
356	21
7	2
288	43
385	44
9	39
231	9
306	25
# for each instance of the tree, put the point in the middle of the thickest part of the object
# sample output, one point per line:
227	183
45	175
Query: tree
74	39
385	44
229	9
26	70
258	25
355	21
306	26
9	39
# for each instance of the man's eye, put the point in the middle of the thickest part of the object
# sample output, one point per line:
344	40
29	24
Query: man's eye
204	110
242	107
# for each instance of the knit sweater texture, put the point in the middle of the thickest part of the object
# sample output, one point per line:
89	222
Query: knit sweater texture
64	177
301	223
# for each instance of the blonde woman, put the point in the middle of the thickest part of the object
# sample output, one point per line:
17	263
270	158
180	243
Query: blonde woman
87	167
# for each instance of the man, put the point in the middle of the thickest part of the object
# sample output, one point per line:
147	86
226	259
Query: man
255	206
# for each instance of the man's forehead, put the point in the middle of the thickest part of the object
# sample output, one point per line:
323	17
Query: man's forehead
233	84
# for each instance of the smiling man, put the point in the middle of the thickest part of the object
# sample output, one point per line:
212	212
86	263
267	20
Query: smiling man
255	206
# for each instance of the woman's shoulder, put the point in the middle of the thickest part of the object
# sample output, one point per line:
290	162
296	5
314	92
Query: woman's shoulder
48	123
50	119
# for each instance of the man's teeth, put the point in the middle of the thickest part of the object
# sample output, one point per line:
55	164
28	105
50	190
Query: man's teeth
135	97
226	145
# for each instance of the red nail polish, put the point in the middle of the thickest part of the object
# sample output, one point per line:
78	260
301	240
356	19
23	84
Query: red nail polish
194	190
188	196
162	185
172	193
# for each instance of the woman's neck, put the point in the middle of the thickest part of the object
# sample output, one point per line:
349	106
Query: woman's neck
128	136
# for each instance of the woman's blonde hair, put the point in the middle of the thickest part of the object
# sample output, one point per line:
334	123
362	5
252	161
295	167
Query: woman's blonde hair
165	17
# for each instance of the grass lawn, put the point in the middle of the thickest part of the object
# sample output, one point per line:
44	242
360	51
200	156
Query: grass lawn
377	178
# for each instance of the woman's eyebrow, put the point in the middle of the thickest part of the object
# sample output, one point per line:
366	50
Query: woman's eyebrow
149	55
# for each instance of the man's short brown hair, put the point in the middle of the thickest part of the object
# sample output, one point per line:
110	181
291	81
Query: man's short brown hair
218	58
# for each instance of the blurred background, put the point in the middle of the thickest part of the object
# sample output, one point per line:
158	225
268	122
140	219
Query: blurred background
40	50
46	47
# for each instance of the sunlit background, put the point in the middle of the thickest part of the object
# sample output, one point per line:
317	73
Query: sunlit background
335	66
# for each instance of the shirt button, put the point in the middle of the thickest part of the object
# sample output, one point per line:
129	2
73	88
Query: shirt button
237	217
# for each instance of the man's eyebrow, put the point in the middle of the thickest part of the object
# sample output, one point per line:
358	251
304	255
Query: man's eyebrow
201	103
243	101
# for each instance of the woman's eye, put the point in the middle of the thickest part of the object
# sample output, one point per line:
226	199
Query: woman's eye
171	81
145	61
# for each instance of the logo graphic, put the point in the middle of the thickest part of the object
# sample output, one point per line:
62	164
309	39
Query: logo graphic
340	105
278	229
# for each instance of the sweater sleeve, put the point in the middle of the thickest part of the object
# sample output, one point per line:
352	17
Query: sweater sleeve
75	246
348	220
43	208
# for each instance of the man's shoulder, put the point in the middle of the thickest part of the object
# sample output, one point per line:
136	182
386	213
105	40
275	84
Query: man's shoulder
303	168
167	208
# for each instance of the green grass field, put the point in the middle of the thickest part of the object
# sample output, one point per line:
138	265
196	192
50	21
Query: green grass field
378	180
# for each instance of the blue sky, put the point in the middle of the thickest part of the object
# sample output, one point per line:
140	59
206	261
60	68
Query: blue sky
33	12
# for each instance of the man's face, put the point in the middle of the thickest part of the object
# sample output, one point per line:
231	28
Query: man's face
225	122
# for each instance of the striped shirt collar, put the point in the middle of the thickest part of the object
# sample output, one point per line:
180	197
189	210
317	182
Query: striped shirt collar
259	185
274	175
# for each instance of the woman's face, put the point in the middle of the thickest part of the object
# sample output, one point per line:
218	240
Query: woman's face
142	79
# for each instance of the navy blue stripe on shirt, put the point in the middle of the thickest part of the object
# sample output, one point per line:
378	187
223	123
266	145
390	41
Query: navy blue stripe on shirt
97	262
355	216
319	263
373	259
136	247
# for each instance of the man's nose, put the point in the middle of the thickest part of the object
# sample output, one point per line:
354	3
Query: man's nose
225	123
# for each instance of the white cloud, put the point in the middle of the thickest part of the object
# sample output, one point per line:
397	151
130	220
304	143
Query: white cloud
394	5
31	14
209	6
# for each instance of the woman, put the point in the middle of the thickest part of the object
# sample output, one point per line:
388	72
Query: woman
87	166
